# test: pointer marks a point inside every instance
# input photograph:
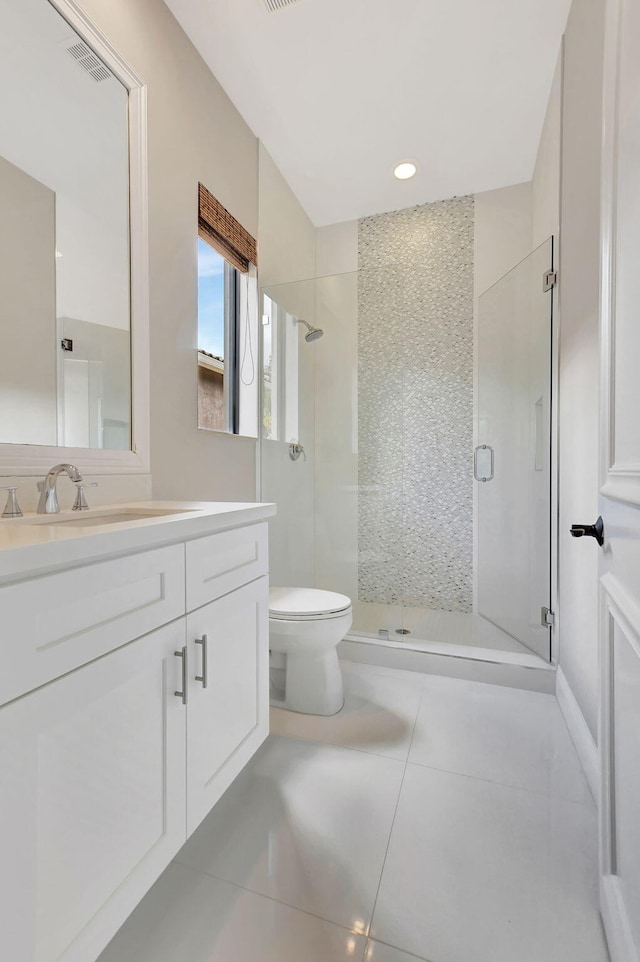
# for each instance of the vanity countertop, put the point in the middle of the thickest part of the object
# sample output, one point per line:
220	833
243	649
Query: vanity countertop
37	544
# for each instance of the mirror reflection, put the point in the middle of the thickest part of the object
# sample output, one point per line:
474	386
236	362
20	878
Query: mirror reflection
64	237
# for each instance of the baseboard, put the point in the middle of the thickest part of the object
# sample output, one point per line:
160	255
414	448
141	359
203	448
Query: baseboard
580	734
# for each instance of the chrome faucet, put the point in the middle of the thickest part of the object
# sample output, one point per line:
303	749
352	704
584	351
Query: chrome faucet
48	503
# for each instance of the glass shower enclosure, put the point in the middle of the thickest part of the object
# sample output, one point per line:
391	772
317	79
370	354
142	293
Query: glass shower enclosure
360	510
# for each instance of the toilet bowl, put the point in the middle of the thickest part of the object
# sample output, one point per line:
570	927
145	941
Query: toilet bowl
305	626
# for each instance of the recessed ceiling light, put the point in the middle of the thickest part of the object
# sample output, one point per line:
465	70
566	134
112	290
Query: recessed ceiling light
405	170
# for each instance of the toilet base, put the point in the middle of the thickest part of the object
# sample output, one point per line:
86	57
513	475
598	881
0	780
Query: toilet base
313	684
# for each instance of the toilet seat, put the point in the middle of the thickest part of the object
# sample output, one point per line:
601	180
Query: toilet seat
306	604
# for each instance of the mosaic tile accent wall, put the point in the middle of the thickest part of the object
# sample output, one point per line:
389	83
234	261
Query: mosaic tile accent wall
415	404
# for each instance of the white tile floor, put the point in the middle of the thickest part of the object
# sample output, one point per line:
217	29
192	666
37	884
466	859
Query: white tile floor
432	819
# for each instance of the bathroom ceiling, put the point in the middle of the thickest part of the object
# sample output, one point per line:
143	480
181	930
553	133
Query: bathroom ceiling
340	91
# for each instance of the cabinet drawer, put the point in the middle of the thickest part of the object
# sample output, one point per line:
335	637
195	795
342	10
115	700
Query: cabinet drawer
225	561
53	624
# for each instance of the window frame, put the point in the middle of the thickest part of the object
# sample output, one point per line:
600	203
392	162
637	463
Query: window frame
231	375
224	234
231	359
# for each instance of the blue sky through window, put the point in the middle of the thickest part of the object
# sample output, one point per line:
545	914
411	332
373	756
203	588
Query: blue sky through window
210	300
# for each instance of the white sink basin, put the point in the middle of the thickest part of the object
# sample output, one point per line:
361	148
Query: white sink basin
115	517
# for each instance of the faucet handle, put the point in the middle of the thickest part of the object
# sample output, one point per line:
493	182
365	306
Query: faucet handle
12	509
80	504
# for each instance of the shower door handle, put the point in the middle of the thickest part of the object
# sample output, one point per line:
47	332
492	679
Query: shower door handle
485	477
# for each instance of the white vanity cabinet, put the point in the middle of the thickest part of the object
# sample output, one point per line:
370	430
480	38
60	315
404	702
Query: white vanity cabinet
108	766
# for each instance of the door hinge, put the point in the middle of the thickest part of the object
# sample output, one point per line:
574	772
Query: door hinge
547	618
549	280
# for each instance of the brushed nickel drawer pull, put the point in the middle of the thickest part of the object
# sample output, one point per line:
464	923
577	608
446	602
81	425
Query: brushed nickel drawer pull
182	694
204	641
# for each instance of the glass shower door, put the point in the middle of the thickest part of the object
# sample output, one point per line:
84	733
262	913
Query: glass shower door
512	463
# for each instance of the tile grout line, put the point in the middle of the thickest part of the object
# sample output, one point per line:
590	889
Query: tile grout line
321	918
390	945
393	820
270	898
363	751
514	788
479	778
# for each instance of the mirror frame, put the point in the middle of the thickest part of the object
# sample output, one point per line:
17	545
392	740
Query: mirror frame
19	460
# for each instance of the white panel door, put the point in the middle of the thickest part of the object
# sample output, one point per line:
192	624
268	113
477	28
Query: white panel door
228	711
619	735
92	804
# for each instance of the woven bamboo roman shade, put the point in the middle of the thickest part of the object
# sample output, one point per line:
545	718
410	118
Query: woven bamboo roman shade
220	229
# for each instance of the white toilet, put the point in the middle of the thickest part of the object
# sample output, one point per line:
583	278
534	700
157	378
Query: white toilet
305	627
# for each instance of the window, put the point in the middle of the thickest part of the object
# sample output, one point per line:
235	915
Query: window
227	322
218	302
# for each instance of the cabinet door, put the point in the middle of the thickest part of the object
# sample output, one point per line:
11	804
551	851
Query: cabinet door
228	719
91	799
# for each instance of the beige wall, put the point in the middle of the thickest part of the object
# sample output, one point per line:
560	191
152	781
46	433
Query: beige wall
579	308
502	225
286	235
337	249
545	186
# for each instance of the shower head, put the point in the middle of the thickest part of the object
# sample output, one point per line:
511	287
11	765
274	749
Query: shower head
313	334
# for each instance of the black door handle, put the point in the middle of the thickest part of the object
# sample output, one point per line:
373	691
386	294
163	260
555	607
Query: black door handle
589	531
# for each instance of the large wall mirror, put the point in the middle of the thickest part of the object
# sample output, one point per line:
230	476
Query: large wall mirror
66	205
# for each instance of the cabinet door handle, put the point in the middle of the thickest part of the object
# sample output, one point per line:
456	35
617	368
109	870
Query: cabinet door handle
182	694
204	677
